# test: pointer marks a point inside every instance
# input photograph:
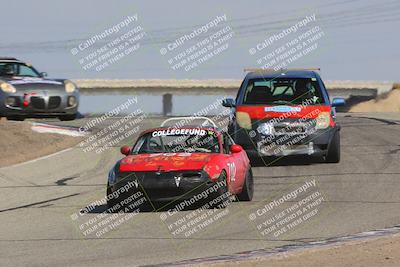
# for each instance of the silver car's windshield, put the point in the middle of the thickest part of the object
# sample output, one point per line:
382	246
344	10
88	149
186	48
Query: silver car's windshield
13	69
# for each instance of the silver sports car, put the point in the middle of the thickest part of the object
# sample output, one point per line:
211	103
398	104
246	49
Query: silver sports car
26	93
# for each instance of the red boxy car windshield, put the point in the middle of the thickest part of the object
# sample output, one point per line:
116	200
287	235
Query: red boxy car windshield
287	91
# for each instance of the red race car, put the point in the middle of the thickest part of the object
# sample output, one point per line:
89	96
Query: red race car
170	164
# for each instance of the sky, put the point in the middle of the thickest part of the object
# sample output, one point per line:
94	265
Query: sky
359	39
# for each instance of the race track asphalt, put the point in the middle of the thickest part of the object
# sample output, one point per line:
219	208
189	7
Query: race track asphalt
37	200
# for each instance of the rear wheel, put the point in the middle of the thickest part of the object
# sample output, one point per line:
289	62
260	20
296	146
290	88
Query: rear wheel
248	188
333	155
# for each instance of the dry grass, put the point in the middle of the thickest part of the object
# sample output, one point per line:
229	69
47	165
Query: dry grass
19	143
388	102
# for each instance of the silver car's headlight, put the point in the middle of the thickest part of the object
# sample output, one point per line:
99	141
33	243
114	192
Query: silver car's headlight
70	87
8	88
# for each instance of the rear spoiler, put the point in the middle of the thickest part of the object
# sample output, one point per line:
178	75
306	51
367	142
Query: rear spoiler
279	70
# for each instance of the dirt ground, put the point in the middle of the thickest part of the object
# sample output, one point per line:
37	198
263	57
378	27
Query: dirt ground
381	252
18	143
389	102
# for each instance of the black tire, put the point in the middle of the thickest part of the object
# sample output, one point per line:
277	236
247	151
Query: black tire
333	154
254	159
16	118
68	117
111	203
221	191
248	188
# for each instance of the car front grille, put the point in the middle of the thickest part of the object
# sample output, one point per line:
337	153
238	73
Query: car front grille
287	126
166	184
38	102
54	102
290	128
162	175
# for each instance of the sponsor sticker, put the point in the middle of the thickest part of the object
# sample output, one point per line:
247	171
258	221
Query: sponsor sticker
282	109
179	132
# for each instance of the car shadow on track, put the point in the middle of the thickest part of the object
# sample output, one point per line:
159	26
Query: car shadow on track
147	207
285	161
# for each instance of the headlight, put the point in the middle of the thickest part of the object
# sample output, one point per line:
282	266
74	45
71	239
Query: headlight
323	120
69	86
71	101
266	129
8	88
243	119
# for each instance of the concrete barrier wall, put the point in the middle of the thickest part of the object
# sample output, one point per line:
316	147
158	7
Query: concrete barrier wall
218	87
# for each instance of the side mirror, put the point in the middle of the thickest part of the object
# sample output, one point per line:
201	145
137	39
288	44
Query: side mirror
338	102
125	150
43	74
236	149
228	103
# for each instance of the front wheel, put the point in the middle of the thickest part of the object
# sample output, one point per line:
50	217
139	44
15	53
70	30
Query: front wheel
220	198
112	203
333	155
248	187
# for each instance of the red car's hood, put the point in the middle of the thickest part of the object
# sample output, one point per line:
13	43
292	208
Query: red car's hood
165	162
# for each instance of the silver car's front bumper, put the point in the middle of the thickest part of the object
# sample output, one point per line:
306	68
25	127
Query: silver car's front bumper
41	104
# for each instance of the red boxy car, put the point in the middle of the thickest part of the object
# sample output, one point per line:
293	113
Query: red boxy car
283	113
175	163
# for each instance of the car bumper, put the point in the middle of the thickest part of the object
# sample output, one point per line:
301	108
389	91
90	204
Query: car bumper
50	105
166	186
314	143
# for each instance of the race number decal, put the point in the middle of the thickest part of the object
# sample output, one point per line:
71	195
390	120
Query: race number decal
232	170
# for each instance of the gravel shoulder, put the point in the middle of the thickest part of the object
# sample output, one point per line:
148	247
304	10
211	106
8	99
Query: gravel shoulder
376	252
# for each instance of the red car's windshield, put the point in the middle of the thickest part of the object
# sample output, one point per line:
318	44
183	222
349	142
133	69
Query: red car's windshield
178	140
